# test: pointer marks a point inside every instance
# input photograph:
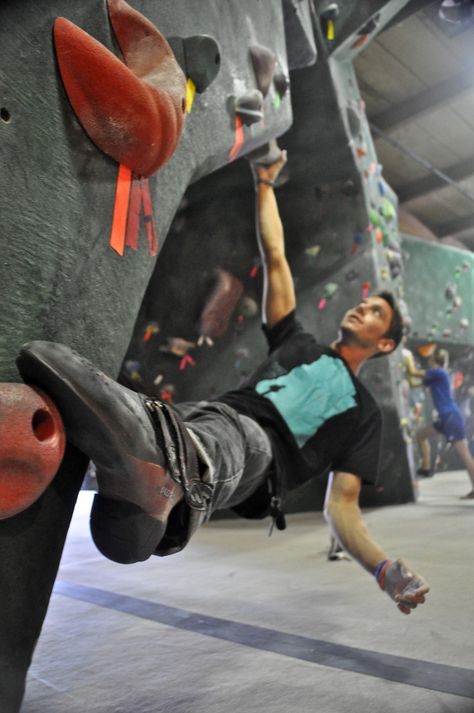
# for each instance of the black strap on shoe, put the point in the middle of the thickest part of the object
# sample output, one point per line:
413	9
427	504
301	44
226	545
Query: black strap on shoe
180	453
276	502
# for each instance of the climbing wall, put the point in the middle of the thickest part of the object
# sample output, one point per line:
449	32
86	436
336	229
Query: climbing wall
439	292
342	243
66	217
85	213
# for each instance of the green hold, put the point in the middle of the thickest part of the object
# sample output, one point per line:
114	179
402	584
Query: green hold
386	237
388	209
374	217
330	289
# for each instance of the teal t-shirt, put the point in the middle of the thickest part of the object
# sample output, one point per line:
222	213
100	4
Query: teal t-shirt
318	414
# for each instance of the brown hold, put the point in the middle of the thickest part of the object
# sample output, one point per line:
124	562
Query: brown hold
264	62
216	314
32	443
134	112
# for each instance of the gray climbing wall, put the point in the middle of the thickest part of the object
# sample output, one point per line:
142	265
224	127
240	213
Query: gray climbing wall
60	278
342	242
439	292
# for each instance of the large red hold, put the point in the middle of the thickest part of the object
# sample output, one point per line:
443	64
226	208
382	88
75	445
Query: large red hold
133	111
32	443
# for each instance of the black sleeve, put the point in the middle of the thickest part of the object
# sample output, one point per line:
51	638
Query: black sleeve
361	456
283	330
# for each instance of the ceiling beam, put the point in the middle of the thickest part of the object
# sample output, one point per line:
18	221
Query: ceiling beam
425	100
432	182
455	225
413	7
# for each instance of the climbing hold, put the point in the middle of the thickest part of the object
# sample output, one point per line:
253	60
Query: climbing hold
466	267
359	41
353	117
365	289
379	235
351	275
357	241
257	263
361	151
185	361
281	82
199	57
219	307
132	367
330	289
387	209
265	155
151	329
167	393
447	333
464	323
457	302
450	292
395	262
374	217
264	62
32	443
247	307
313	251
458	379
370	25
134	112
176	346
205	340
249	107
328	19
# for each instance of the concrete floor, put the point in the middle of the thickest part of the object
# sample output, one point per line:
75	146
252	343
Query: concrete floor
241	621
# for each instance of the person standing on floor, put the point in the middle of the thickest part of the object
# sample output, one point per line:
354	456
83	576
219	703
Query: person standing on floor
450	422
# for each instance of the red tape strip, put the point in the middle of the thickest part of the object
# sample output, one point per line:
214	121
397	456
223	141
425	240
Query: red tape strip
239	138
119	219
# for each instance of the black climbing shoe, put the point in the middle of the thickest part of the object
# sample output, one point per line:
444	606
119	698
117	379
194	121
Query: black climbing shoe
143	469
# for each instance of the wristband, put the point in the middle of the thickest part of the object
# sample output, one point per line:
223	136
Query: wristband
263	180
379	573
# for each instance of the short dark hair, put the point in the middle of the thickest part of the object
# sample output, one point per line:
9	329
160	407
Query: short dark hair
395	330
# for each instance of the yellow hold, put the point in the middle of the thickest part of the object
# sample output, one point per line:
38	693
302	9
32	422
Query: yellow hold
190	92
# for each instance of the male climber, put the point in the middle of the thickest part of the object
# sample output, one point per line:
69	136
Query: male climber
162	470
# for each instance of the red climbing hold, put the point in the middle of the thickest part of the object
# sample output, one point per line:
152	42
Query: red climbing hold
220	305
32	442
134	112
